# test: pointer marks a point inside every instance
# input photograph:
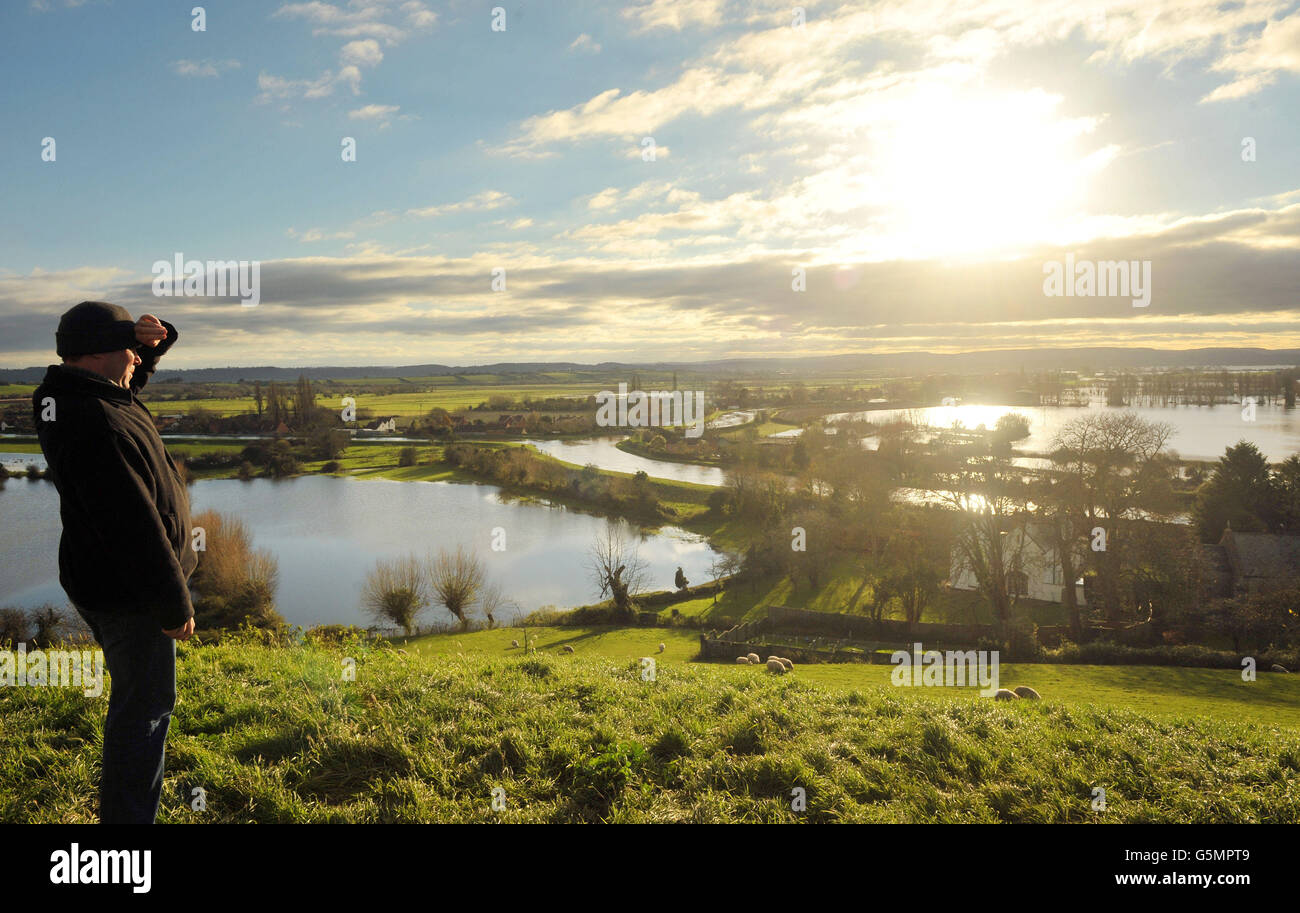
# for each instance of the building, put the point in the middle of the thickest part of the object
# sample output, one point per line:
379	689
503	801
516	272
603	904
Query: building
386	425
1243	564
1038	574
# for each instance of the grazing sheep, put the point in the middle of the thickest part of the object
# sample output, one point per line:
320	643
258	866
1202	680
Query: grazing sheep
789	666
662	648
754	660
743	660
514	643
567	648
1005	695
1027	693
775	665
1278	667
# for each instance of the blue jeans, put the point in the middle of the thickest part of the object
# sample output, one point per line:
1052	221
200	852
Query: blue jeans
141	663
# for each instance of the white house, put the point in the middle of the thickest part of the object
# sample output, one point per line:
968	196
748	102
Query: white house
1038	574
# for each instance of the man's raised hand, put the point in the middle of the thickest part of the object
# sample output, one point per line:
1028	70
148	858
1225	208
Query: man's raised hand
150	331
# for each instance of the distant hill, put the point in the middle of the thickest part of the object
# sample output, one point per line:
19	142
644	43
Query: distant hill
1096	359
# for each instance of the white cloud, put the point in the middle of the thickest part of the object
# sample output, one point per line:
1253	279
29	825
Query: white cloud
374	112
316	234
374	19
584	42
205	68
486	200
674	14
364	53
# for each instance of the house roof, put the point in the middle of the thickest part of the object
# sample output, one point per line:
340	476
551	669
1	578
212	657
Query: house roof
1262	554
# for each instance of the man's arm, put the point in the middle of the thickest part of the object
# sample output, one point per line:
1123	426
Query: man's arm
109	477
149	355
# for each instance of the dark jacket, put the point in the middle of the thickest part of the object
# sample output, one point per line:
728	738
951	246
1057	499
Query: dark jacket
126	514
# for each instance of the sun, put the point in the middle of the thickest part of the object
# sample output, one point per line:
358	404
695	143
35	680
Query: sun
986	173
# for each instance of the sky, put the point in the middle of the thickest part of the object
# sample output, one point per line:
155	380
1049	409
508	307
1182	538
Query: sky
661	180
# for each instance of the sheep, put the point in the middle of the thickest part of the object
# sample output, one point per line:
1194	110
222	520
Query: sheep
743	660
567	648
789	666
754	660
1278	667
1027	693
662	648
1004	695
514	643
775	665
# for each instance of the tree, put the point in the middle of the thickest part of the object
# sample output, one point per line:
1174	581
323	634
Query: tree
1116	471
680	580
257	396
233	582
396	592
457	580
1286	481
723	566
48	621
328	443
991	502
617	569
1059	504
919	553
1011	427
1240	491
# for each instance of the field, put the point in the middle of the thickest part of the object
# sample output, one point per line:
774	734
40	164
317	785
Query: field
406	404
276	734
1171	692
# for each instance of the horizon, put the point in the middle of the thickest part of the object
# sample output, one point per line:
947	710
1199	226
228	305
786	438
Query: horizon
1229	352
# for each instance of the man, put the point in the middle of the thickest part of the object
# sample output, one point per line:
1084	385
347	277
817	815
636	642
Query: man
125	556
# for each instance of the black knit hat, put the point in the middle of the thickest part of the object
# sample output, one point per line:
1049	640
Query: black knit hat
95	326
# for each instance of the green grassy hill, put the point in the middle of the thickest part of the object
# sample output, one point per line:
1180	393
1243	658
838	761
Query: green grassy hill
275	734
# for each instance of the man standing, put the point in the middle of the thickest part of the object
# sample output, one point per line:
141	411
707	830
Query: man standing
125	556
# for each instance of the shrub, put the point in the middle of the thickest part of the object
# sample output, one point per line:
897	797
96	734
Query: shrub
234	583
406	457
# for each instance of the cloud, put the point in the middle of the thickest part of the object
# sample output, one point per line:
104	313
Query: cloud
373	19
827	59
204	68
480	202
365	53
374	112
276	88
674	14
585	43
316	234
1224	279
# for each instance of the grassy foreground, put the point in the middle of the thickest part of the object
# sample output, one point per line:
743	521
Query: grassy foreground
275	734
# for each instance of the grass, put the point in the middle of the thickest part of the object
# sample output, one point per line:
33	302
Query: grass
744	602
1164	691
275	734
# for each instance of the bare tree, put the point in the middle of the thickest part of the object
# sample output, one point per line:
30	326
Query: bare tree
492	600
991	500
724	564
616	568
457	580
396	592
1114	470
